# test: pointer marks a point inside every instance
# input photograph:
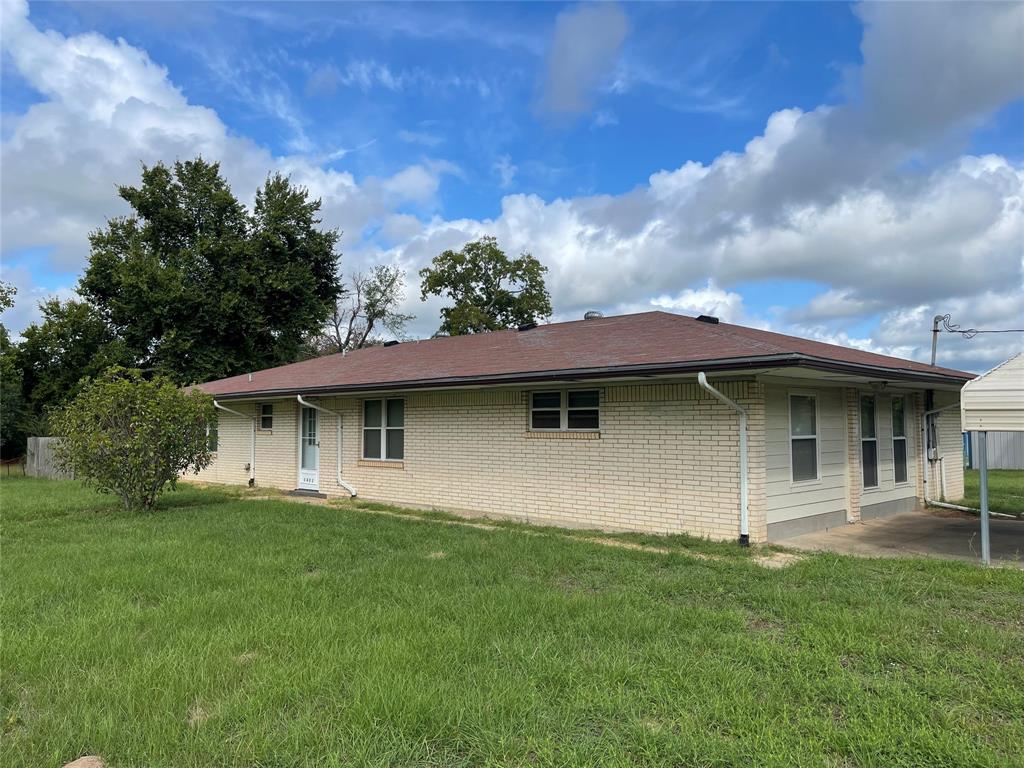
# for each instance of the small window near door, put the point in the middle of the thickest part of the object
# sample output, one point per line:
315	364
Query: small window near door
899	439
868	442
267	416
803	437
384	429
212	435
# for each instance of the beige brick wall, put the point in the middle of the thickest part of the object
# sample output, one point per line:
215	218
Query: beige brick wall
666	459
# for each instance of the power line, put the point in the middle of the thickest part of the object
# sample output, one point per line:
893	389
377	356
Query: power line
970	333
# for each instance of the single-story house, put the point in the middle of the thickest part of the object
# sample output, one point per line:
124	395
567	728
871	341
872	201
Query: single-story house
649	422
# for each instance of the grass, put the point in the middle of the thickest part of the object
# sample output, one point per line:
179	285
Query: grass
227	631
1005	490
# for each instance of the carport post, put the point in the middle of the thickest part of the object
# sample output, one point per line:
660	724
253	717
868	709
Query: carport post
986	556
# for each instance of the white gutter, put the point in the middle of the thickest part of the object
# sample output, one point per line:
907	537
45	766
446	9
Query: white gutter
924	449
351	490
252	444
744	469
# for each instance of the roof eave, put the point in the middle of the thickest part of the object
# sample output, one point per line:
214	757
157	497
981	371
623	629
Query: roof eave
659	369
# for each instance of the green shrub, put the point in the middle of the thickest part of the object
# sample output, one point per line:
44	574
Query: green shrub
132	437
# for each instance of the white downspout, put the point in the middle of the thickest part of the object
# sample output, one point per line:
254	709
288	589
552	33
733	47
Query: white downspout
924	449
252	444
348	487
744	469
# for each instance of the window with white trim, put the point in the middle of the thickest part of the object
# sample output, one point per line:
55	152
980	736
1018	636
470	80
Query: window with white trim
384	429
899	439
566	410
267	416
868	441
803	437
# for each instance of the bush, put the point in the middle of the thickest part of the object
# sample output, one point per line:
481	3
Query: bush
125	435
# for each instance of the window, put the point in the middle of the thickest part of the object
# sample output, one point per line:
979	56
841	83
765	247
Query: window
575	409
212	435
384	429
899	439
868	442
803	437
267	416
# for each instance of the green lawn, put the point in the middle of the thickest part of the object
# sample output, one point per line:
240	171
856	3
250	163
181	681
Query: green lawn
227	631
1005	490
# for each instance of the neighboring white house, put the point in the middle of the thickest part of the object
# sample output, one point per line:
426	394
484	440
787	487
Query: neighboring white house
604	423
994	401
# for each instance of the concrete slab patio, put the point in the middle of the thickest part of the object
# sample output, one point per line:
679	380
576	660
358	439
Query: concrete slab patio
920	533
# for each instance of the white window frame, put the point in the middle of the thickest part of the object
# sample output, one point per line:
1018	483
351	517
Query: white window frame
816	436
263	416
906	443
860	420
563	410
383	429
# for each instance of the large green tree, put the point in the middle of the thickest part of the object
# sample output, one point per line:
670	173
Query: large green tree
197	287
489	290
12	404
73	341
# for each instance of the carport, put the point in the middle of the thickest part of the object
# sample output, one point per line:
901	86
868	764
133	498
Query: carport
992	402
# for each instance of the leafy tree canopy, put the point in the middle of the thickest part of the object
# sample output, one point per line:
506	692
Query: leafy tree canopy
72	341
489	290
125	435
197	287
12	404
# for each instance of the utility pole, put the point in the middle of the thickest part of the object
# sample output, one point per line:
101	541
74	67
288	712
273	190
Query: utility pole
935	334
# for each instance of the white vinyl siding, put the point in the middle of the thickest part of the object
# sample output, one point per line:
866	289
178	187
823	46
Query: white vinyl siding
786	499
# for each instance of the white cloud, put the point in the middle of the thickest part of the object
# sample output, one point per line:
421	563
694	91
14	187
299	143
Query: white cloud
506	171
586	44
422	138
107	108
865	197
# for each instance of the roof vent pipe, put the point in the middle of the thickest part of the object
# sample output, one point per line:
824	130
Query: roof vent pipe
593	314
744	469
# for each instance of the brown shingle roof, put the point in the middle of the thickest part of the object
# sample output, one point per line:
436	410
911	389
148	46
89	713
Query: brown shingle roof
643	343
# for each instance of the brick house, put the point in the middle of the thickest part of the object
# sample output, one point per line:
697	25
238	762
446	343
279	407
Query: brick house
605	423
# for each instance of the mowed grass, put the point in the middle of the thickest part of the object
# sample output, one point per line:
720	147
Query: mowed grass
1005	490
227	631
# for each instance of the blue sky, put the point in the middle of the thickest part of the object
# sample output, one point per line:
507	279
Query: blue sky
831	170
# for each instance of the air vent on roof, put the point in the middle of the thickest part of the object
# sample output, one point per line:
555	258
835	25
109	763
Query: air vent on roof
391	343
592	314
526	327
708	319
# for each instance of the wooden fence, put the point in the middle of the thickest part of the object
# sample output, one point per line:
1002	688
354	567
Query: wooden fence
39	460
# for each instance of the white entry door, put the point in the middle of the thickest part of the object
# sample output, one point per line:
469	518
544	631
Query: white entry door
309	450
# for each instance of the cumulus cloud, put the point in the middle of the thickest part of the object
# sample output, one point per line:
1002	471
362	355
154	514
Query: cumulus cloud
107	108
865	197
584	49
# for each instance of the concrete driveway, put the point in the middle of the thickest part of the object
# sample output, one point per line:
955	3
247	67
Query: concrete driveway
921	533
